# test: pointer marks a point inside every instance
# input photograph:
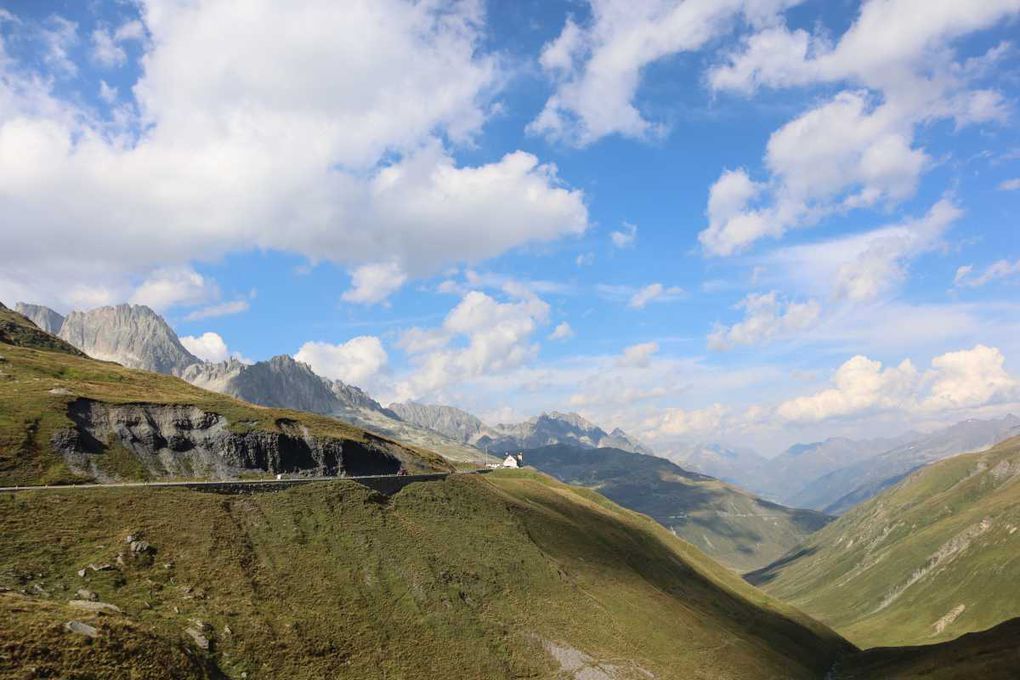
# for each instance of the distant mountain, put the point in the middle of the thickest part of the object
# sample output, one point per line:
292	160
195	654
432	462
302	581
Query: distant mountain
840	490
543	430
742	467
449	421
284	382
736	528
131	335
931	558
43	317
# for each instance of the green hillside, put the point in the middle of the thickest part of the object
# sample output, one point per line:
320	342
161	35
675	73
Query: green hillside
734	527
510	575
48	389
934	557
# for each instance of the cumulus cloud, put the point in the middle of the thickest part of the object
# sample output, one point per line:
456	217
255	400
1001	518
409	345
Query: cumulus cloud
354	362
372	283
563	331
857	149
173	286
1010	184
597	67
676	421
965	378
625	237
653	292
332	141
210	347
481	336
765	318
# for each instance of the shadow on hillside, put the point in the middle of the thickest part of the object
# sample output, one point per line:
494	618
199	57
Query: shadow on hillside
769	572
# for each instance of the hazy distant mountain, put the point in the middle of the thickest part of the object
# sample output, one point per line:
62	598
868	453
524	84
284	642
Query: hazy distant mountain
131	335
43	317
790	473
727	523
544	430
736	466
838	491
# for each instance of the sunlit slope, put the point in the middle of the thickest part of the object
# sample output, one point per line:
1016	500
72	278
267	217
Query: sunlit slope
734	527
934	557
126	424
510	575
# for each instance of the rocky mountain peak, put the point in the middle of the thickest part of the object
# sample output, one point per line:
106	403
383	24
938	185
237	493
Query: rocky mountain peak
131	335
43	317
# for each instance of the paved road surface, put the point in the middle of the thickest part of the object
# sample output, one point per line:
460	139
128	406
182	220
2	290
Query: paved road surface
377	482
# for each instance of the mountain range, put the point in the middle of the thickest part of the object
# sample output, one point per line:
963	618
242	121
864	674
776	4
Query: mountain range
835	474
733	526
932	557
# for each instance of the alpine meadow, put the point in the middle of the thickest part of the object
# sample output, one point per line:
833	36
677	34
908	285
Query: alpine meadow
510	339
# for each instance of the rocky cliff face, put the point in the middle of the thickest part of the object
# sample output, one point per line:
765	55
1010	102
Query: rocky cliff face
447	420
131	335
108	441
43	317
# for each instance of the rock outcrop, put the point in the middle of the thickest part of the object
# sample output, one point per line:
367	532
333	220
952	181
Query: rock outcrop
131	335
185	441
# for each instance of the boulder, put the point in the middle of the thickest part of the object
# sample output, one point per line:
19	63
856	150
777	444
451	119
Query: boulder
91	606
82	629
84	594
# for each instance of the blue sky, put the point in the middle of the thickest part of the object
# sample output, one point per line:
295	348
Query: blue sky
703	221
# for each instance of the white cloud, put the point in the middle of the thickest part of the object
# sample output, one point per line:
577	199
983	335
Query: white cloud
597	68
1010	184
638	356
968	378
324	141
59	35
105	49
107	93
221	309
765	318
625	237
563	331
174	286
373	283
965	378
1000	269
676	421
207	347
585	260
492	337
857	150
354	362
653	292
865	266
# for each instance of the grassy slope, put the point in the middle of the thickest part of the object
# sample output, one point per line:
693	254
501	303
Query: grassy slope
467	578
886	572
729	524
40	375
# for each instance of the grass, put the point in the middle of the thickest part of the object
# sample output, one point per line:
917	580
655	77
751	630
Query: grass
470	578
39	378
945	542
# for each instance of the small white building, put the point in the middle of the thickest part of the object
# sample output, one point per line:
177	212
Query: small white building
511	461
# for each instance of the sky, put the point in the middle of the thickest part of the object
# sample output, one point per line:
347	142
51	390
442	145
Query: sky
752	222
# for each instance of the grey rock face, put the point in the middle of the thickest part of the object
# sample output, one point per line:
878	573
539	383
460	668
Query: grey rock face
185	441
131	335
43	317
446	420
